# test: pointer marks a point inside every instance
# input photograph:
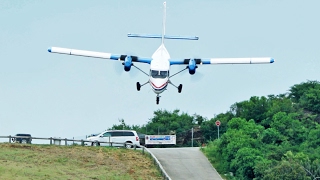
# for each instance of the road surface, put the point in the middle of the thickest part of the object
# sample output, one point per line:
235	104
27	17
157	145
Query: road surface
185	163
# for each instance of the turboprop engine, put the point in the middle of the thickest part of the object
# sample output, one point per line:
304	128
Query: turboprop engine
128	61
192	66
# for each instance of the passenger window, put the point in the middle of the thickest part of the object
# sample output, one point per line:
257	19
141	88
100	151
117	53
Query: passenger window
128	134
116	134
107	134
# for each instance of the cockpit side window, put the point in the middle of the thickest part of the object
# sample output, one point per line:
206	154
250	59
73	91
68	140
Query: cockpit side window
159	74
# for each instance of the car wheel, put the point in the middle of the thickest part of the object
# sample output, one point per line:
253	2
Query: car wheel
95	144
23	141
128	146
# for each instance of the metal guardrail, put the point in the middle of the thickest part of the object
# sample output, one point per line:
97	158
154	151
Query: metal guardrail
155	160
53	139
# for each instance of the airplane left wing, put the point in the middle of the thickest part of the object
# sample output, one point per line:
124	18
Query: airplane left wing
192	63
102	55
259	60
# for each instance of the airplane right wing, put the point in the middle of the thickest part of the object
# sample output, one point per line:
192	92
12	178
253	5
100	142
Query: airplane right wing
102	55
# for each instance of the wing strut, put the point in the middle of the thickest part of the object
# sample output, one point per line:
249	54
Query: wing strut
179	72
140	70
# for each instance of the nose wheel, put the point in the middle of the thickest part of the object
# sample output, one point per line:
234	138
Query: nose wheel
158	99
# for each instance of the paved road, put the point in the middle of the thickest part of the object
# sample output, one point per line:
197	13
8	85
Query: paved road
185	163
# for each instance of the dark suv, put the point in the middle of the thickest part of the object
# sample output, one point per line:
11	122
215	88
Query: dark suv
25	139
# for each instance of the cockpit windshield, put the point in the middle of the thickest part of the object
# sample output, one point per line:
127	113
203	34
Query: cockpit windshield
159	74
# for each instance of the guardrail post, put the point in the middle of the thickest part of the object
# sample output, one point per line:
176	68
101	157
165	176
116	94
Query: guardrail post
65	142
50	140
9	138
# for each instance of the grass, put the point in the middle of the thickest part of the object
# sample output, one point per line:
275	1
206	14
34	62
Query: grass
210	154
21	161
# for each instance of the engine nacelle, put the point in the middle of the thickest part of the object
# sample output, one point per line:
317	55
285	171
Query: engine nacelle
192	66
127	63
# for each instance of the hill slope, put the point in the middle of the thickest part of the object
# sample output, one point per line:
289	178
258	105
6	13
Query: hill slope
20	161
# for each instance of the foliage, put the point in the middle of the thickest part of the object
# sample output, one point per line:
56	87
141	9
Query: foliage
307	94
272	137
165	122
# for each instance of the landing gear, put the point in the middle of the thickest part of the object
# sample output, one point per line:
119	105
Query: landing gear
180	88
158	99
138	86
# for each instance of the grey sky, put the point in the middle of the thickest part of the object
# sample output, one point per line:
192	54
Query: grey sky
66	96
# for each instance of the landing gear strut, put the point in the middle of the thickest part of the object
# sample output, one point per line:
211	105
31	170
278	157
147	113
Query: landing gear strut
140	85
158	99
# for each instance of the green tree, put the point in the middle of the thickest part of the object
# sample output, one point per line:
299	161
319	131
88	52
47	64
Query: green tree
245	162
255	108
310	100
297	91
287	171
289	126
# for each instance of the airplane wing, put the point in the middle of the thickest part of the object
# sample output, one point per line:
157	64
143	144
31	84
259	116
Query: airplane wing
94	54
259	60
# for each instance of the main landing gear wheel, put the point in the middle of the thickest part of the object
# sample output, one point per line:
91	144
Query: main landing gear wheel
158	99
180	88
138	86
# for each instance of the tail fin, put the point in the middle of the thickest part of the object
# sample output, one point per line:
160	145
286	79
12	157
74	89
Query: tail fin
164	21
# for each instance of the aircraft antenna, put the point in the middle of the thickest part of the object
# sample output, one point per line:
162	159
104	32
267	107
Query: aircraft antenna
164	20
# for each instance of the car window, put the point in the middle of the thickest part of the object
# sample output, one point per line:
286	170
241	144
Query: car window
128	134
23	135
116	133
107	134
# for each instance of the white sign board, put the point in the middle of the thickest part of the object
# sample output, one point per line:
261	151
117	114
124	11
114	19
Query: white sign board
160	139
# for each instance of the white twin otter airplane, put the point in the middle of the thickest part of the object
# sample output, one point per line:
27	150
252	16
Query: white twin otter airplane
160	61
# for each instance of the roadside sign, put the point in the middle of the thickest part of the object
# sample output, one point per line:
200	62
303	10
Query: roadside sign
160	139
218	123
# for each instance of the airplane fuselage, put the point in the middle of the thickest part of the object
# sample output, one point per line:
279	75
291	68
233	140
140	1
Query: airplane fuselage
159	70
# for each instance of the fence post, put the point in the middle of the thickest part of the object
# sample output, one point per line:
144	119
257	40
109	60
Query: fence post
142	150
82	143
9	138
135	147
50	140
65	142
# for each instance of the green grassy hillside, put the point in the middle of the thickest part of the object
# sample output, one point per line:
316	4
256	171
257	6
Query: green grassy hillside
18	161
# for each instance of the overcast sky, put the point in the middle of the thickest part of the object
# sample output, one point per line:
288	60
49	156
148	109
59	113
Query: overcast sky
68	96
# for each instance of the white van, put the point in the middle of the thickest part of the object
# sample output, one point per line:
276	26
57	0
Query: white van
115	138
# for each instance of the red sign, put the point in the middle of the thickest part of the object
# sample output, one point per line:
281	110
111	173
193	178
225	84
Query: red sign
218	123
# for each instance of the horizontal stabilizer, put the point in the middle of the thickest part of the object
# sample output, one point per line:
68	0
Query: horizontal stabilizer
157	36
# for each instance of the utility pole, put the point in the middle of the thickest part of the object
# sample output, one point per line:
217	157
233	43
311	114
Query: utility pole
192	137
